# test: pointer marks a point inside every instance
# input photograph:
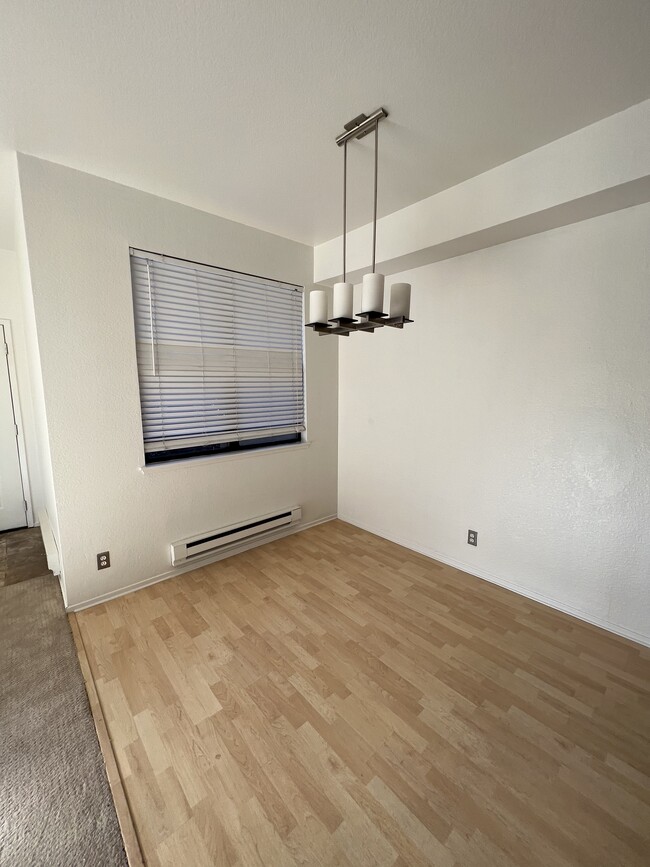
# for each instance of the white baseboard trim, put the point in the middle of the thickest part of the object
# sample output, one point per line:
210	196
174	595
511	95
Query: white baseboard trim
197	564
578	613
49	543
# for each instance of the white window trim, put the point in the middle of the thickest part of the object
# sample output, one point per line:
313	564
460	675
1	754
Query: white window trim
202	460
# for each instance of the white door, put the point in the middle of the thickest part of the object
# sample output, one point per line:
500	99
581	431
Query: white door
13	509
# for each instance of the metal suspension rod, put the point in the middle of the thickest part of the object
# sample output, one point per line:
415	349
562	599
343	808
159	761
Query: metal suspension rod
374	207
345	203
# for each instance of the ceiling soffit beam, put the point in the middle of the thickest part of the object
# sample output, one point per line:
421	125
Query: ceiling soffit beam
601	168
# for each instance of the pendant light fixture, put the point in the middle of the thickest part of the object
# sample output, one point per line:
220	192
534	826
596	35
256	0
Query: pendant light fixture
371	316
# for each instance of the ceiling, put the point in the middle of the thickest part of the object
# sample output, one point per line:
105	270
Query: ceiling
232	106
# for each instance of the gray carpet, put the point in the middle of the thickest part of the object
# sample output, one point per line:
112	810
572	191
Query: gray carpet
22	555
55	803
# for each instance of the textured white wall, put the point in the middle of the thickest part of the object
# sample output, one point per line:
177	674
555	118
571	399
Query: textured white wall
43	487
518	405
79	229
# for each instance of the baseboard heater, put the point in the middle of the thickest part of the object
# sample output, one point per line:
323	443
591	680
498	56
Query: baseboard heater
226	537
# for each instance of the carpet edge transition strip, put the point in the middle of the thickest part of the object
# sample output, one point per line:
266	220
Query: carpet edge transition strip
124	817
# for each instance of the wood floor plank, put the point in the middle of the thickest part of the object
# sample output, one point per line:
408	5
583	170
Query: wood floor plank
305	703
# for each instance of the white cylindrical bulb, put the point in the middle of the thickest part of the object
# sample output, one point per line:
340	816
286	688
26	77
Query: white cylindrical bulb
372	295
400	300
318	306
343	293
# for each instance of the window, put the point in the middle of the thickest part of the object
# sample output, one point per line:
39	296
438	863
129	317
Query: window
219	358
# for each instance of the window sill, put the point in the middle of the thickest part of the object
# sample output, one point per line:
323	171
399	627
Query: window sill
152	469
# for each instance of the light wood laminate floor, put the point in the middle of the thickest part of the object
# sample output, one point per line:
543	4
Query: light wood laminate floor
335	699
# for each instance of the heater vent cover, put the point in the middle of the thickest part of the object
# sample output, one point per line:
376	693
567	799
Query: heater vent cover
197	547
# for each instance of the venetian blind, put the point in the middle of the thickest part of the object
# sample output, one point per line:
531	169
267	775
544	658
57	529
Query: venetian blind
219	354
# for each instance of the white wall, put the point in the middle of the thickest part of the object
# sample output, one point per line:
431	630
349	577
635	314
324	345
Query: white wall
518	405
78	231
43	493
12	308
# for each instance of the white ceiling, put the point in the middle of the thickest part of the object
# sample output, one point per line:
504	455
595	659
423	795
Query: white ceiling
232	106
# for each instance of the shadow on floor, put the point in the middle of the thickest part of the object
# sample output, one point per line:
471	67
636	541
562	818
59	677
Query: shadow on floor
22	556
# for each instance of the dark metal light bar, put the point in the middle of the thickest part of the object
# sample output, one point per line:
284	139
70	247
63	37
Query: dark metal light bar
366	322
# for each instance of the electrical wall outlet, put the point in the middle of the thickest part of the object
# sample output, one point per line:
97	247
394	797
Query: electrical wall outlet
472	537
103	560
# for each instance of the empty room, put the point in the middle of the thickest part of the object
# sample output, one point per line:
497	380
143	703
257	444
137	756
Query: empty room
325	433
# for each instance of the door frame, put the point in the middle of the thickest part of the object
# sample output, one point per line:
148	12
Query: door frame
15	398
